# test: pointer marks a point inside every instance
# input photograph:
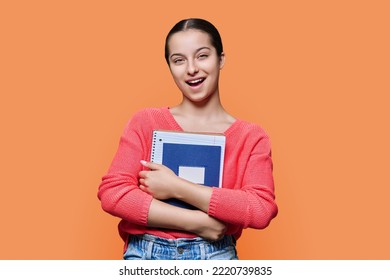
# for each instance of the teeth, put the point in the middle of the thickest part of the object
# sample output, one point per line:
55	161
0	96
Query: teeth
195	81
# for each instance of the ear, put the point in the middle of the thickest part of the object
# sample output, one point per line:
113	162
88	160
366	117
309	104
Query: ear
222	60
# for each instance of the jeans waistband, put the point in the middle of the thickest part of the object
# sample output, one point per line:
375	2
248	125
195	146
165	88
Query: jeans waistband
225	241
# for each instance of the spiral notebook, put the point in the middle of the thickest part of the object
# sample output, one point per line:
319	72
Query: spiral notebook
196	157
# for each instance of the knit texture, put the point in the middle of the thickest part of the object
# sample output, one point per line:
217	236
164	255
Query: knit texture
246	199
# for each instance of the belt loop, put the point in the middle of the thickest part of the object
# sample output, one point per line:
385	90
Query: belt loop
202	251
149	249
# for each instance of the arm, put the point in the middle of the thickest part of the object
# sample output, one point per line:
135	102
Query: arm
162	183
121	196
118	192
252	203
249	205
164	215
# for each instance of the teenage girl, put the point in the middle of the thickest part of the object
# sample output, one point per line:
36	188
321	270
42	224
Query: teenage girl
134	187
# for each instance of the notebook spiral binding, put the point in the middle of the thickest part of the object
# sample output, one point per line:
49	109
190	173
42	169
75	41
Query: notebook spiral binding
153	146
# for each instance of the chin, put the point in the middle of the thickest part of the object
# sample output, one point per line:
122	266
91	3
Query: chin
198	99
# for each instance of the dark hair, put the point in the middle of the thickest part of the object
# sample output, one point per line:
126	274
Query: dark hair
198	24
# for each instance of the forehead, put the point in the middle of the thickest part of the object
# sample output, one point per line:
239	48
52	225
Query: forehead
188	41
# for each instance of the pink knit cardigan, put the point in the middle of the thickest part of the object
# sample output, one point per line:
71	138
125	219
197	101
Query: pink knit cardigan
246	198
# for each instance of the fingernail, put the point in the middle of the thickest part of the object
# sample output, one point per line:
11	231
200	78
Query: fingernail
143	162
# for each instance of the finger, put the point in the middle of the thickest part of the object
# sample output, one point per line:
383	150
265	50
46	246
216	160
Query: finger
150	165
143	188
142	174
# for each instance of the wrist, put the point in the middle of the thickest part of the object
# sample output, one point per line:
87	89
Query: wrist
197	221
181	188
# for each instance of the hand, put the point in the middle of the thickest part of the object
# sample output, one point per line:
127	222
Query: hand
159	181
208	227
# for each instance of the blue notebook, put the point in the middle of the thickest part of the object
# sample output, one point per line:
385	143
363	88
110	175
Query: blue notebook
196	157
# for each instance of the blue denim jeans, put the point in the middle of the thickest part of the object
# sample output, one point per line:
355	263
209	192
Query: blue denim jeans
150	247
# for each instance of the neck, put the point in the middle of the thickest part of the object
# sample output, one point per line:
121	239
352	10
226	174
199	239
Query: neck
207	109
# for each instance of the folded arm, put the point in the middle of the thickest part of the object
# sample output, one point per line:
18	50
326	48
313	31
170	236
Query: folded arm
249	205
121	196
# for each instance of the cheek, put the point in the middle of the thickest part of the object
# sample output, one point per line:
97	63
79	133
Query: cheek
177	78
176	73
210	66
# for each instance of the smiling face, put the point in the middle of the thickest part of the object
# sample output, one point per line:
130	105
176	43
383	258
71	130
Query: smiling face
194	64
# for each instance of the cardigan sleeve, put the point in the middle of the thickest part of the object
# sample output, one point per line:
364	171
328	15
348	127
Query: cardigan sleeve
252	203
118	192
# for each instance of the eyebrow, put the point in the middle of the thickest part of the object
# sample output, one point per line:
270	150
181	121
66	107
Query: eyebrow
179	54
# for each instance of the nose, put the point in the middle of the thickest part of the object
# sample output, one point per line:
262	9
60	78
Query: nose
192	67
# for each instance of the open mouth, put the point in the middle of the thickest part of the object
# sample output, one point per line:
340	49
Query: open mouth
196	82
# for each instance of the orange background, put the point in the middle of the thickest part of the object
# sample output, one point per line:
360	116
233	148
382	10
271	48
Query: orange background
314	74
